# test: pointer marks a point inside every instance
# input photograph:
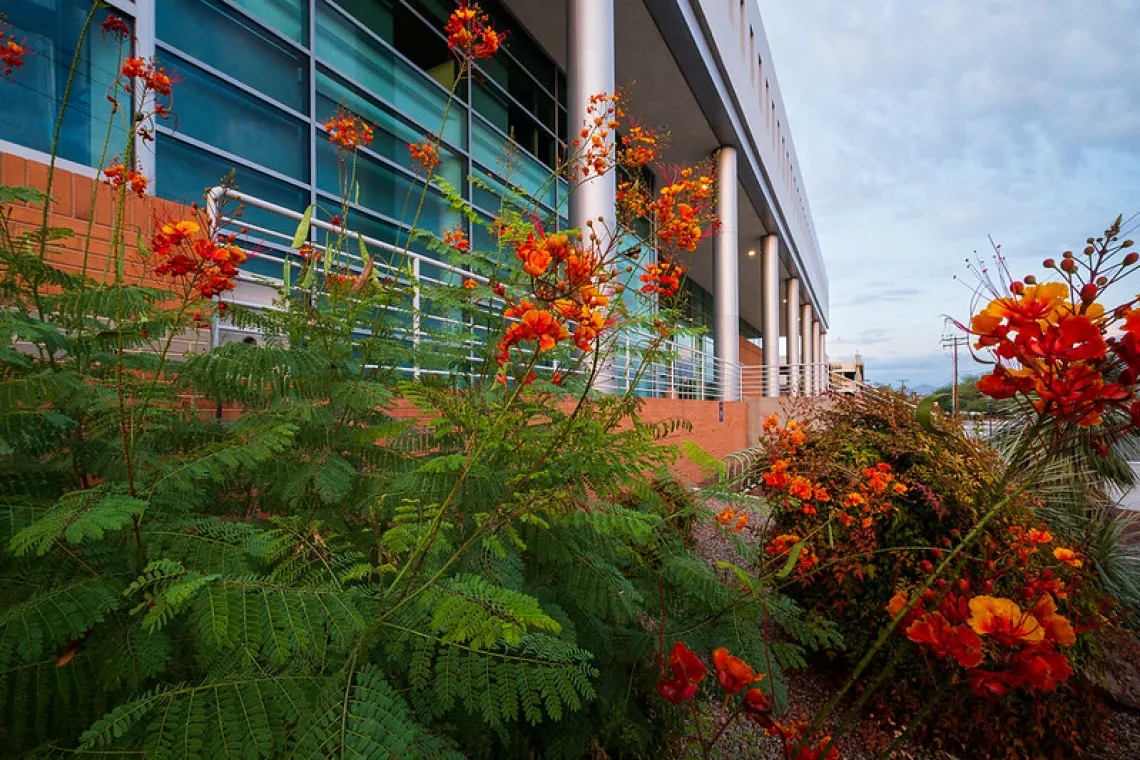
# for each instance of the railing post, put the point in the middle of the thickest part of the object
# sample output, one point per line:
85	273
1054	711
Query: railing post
416	314
627	362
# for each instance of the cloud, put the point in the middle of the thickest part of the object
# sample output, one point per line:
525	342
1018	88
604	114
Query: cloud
923	128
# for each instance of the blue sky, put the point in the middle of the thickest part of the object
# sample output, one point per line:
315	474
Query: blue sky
923	128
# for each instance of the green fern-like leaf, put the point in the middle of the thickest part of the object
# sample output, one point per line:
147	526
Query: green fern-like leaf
78	517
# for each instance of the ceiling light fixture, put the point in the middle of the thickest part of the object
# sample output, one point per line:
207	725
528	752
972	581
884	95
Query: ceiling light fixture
751	251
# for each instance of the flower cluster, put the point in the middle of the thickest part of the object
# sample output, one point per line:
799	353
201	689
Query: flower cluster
347	131
149	74
457	239
735	676
567	283
594	145
1058	348
118	175
638	148
662	278
470	34
207	266
732	520
426	154
681	210
11	52
115	26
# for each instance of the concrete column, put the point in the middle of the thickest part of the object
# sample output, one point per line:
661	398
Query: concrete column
817	352
808	354
726	279
770	295
826	385
590	71
792	317
590	44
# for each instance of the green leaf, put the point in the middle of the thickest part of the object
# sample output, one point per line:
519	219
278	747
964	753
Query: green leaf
302	233
925	411
786	570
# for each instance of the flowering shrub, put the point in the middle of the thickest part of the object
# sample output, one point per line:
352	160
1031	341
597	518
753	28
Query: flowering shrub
860	528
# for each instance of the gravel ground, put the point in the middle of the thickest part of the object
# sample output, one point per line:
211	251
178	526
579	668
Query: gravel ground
809	689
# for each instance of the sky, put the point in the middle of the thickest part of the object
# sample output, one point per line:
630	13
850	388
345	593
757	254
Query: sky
924	128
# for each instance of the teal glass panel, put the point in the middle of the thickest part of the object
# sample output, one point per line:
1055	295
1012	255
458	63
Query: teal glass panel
185	172
374	14
489	148
360	58
290	17
221	115
512	120
220	37
30	98
391	134
386	191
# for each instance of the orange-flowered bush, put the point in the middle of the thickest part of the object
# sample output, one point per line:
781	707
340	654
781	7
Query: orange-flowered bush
868	503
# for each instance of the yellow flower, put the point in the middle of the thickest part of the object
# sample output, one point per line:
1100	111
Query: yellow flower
1068	556
1004	620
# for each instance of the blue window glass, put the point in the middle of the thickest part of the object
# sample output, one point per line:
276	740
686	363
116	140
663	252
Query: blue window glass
385	190
360	58
185	173
492	150
290	17
225	39
32	95
219	114
391	133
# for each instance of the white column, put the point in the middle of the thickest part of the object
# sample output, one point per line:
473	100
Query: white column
726	278
590	71
817	351
826	364
792	317
590	43
770	295
808	354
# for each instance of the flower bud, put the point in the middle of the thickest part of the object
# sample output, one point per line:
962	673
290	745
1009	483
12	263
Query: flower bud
955	533
1088	293
1067	255
940	583
925	566
1030	279
991	566
1131	259
947	543
1101	281
1089	250
963	586
1047	574
928	595
1048	263
936	553
1126	244
1016	287
987	587
1069	265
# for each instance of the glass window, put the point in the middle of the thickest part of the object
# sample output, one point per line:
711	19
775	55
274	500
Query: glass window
515	121
489	148
392	134
385	190
290	17
355	54
32	95
216	35
184	174
219	114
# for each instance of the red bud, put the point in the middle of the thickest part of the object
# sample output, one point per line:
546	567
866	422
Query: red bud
1131	259
963	586
1016	287
925	566
1030	279
1088	293
1069	265
987	587
1048	263
940	583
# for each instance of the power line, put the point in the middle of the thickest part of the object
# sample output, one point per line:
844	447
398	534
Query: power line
954	341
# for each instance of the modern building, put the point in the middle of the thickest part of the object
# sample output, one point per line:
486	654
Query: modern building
256	78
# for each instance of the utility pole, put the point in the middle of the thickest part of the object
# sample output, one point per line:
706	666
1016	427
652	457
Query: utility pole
954	341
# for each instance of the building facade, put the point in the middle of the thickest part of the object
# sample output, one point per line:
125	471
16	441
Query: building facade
257	78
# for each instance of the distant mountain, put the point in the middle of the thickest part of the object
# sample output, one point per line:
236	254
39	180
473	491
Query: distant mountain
923	390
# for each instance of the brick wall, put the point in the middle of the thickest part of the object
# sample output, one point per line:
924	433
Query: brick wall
717	437
73	209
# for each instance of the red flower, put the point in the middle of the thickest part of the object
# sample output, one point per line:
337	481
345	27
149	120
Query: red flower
11	52
470	35
733	673
425	153
758	707
347	131
688	672
1041	667
945	640
116	27
992	686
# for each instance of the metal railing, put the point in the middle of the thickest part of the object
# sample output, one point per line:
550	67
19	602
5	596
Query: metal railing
758	381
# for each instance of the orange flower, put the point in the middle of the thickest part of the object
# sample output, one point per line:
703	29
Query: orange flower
425	153
757	706
733	673
800	488
946	640
117	175
777	475
663	278
457	239
1041	667
1038	536
898	601
470	35
1004	620
347	131
535	257
1057	629
1068	556
470	284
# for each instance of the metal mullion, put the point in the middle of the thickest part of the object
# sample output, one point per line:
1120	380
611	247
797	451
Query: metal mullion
214	150
505	136
524	108
145	32
313	129
257	94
